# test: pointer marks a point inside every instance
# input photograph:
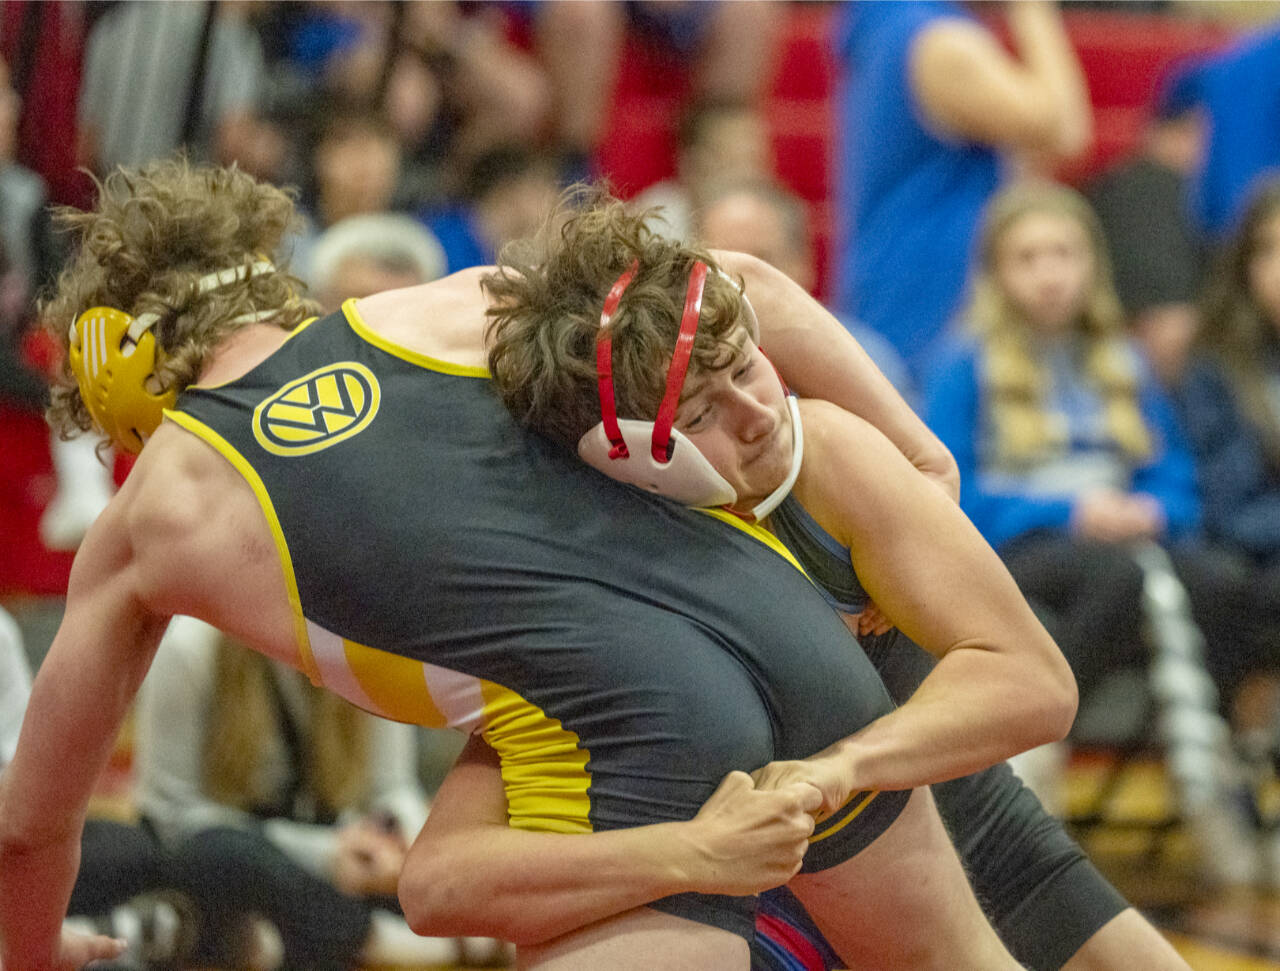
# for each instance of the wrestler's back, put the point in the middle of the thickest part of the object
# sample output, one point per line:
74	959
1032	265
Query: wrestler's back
441	534
183	504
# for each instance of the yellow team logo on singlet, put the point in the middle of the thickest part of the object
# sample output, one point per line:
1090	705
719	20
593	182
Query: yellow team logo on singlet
320	409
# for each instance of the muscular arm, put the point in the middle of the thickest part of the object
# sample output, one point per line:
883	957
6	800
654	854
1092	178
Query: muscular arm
535	886
81	693
820	359
1001	685
968	85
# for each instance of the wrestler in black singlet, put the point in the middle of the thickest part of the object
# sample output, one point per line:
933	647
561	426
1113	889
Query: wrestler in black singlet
622	654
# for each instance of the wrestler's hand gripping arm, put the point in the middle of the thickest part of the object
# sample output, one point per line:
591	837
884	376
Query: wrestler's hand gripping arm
469	873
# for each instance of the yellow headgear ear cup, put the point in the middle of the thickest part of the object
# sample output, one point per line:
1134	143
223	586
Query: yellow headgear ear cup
113	369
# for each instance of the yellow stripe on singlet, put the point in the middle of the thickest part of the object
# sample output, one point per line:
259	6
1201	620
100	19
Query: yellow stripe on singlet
404	353
544	766
758	531
251	477
852	815
395	685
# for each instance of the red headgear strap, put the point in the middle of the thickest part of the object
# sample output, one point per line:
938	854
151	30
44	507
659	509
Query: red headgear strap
604	363
661	443
679	363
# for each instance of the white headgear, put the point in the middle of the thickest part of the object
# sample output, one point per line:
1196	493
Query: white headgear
672	465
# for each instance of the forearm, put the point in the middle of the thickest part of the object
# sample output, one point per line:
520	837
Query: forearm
1046	52
818	358
976	708
528	888
35	885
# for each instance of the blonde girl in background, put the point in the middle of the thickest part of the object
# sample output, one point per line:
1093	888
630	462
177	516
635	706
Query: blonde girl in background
1070	454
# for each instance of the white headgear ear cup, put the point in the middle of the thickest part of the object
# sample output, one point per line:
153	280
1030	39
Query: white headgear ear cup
687	478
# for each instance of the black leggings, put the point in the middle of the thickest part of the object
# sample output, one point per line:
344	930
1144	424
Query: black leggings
231	873
1089	595
117	861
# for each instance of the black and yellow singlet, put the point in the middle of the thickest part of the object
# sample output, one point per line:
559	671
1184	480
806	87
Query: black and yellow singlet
620	652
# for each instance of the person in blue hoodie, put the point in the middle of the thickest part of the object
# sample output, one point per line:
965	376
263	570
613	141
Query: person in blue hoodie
1069	451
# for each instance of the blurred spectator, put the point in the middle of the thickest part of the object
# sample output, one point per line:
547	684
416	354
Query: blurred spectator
1229	400
1235	89
1232	395
44	45
355	170
26	256
158	76
1071	459
444	75
1157	254
1066	450
729	47
764	219
363	255
929	102
29	258
24	222
282	802
508	193
718	142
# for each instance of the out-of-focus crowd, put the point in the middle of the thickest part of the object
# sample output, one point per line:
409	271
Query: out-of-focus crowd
1102	358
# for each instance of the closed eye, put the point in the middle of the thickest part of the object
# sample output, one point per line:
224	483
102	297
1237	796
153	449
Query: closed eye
697	421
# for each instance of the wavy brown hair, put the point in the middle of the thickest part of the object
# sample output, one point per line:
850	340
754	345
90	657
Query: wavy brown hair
1015	381
154	232
244	715
547	297
1235	330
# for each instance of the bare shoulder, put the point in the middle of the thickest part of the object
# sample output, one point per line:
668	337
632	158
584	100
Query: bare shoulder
852	474
444	319
195	530
831	431
754	272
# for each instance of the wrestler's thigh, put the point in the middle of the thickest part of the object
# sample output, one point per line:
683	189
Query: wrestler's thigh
640	940
904	902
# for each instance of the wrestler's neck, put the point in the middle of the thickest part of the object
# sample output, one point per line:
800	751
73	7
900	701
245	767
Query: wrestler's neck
240	353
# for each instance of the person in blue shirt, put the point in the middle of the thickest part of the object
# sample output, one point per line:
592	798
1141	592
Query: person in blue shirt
1233	90
1069	451
931	109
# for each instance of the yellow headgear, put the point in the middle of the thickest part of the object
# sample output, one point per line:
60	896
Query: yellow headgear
114	358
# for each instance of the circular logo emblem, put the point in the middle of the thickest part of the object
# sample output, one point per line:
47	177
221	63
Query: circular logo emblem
317	410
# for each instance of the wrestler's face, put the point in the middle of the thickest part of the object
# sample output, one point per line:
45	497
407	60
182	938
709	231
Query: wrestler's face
738	418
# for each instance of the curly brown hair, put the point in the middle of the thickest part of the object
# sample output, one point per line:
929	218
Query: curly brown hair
547	297
155	231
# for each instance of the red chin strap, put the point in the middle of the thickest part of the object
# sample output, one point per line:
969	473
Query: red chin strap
661	442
